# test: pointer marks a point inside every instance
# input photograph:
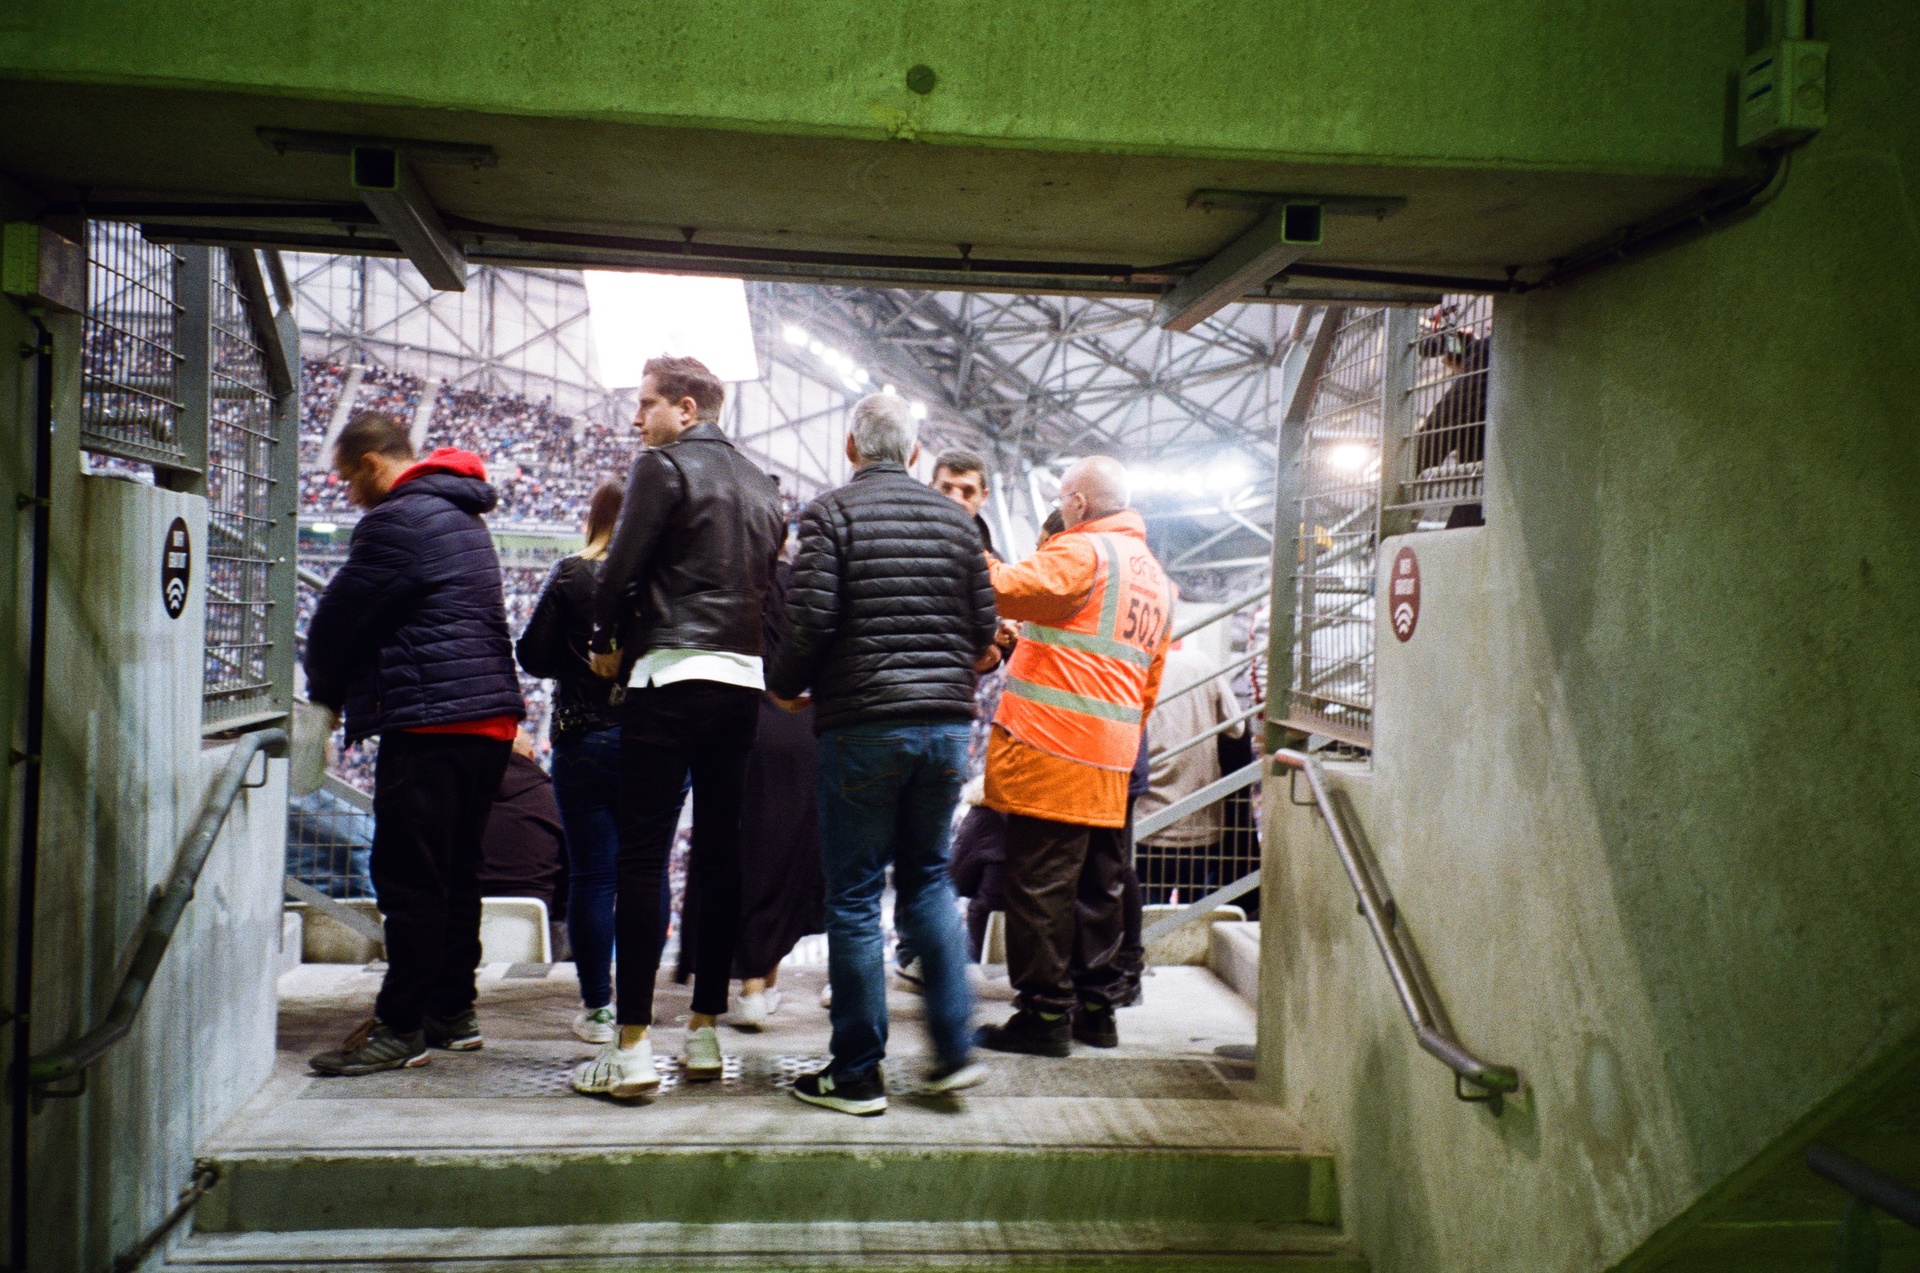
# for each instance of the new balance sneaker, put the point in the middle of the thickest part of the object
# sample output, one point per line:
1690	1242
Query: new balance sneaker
702	1055
373	1048
862	1096
1032	1033
1093	1025
619	1072
459	1033
953	1076
754	1009
596	1025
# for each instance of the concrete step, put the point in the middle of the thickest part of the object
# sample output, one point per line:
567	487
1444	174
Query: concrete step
281	1191
1028	1245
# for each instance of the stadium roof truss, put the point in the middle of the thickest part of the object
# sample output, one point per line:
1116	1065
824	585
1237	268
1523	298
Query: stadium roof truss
1030	381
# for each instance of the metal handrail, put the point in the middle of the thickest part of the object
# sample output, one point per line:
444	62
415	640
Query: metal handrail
1212	733
163	917
1417	996
1210	677
1867	1184
1212	793
1234	606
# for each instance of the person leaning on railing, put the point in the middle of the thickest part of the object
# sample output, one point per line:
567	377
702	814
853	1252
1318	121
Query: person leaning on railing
1098	608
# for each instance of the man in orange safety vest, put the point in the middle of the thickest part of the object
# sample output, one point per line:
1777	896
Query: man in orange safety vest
1097	610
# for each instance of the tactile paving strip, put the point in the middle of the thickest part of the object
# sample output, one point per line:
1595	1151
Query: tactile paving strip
494	1074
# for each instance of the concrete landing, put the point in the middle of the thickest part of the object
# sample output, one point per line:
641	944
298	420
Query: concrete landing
1155	1148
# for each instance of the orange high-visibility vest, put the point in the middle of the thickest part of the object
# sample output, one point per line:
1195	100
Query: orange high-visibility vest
1076	690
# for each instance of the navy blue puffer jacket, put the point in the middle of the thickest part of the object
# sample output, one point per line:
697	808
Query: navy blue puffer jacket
412	630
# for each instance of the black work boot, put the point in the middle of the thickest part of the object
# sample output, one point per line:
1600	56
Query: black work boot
457	1033
372	1048
1034	1033
1093	1025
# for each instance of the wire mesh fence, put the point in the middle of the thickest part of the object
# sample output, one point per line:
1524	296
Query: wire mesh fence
130	400
241	437
330	839
1443	473
1338	528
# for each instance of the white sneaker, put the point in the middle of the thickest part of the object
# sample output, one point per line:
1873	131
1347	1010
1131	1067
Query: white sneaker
620	1072
826	995
755	1008
595	1025
703	1054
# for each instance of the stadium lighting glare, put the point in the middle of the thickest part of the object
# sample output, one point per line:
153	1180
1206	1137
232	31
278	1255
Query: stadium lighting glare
324	528
860	376
888	389
919	410
1350	457
632	317
1226	474
815	348
794	335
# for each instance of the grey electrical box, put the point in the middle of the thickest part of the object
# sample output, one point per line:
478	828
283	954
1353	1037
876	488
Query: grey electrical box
1783	94
43	267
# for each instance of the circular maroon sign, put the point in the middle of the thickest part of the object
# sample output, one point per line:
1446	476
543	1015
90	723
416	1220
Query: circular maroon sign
1403	594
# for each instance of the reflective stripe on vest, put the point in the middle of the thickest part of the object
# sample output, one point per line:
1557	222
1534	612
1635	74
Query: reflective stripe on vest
1075	689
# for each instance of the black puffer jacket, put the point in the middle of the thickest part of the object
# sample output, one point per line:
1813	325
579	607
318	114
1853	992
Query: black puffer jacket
890	605
692	556
554	647
412	630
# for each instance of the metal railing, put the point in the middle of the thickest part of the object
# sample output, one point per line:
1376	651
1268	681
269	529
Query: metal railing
162	919
1418	998
1171	860
1857	1248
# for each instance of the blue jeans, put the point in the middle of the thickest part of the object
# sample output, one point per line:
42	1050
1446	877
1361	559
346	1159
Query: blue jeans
886	797
586	783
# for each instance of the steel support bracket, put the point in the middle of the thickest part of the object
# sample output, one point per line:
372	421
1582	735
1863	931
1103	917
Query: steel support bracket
1276	241
385	182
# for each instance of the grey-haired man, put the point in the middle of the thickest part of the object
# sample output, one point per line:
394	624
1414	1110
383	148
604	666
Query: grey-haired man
889	610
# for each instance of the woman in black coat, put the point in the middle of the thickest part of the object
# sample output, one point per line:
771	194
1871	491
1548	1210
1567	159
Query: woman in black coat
586	758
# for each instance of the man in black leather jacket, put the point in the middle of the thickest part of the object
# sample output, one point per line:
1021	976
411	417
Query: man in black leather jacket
678	623
889	612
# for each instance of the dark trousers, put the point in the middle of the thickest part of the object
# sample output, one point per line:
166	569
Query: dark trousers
705	729
1132	959
1066	888
431	797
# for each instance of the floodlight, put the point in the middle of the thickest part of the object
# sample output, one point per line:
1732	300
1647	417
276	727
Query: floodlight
632	316
794	335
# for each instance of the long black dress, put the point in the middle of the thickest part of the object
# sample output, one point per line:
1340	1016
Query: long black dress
783	892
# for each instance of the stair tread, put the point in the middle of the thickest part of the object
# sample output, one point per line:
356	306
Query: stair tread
804	1242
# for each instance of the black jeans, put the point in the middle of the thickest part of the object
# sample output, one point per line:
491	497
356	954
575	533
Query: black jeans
706	729
431	797
1066	887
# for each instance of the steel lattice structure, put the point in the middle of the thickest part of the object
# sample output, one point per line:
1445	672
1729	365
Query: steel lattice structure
1028	381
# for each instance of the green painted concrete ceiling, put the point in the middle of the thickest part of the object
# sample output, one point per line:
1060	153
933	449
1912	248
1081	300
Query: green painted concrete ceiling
1054	130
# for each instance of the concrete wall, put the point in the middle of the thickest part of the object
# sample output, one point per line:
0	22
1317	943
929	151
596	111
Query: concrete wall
126	774
1647	775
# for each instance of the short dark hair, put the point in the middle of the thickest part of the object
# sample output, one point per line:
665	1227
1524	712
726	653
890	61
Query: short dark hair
679	378
603	509
958	462
1055	524
372	433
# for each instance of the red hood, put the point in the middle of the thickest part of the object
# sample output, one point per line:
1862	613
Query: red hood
446	460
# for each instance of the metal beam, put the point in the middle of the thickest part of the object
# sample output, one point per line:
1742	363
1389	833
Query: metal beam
387	186
1276	241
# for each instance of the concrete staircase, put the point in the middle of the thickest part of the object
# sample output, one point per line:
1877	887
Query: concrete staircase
853	1207
1152	1155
